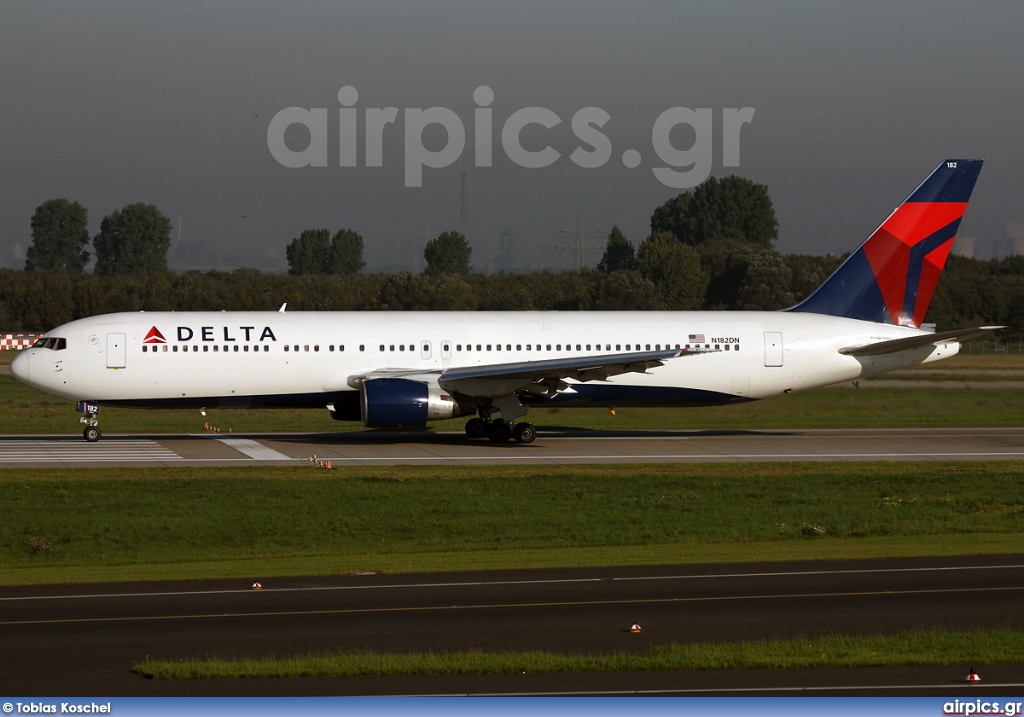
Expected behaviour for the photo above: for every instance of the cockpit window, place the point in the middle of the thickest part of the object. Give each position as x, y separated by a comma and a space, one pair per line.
51, 342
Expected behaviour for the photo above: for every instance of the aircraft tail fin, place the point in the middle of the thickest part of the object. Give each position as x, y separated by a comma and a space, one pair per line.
891, 277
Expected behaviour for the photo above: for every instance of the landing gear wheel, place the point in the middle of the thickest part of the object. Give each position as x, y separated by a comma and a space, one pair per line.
92, 434
476, 428
524, 432
498, 431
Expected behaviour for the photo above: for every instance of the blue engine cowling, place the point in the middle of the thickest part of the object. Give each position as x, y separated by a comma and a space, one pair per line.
398, 402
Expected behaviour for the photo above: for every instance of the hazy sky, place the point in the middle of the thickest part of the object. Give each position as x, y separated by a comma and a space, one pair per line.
110, 103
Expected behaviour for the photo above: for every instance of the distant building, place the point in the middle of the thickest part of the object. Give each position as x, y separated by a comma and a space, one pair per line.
964, 246
1013, 244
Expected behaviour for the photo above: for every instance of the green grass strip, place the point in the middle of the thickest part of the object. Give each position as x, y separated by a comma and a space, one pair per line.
257, 522
906, 649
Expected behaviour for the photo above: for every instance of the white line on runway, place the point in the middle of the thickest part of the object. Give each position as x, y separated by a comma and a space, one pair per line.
668, 456
255, 449
497, 583
41, 451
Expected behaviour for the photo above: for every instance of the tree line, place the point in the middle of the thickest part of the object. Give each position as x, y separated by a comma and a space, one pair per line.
971, 292
709, 248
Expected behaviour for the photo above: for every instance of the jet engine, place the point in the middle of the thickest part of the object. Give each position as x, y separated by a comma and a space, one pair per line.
398, 402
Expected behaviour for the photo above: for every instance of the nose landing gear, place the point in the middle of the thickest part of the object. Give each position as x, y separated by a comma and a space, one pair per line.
92, 431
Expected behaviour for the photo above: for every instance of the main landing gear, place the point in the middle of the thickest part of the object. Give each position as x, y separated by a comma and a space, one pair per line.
500, 431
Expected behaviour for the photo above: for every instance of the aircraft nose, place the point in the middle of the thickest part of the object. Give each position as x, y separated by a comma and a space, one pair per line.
20, 366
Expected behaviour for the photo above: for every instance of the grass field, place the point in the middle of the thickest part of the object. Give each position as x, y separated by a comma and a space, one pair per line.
183, 523
914, 648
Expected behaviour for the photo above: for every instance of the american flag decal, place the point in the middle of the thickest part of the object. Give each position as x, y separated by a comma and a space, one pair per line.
696, 338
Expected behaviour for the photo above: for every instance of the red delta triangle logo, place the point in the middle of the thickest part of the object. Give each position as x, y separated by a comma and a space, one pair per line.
154, 337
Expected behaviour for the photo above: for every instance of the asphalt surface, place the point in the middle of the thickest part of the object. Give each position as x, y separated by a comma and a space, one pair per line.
83, 640
553, 446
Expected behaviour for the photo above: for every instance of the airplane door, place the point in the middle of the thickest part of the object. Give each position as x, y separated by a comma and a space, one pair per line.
772, 348
424, 350
115, 351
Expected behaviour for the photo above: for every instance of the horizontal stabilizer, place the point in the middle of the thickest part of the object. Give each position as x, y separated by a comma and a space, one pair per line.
894, 345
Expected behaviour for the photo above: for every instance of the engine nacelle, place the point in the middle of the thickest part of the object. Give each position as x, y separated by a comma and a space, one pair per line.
397, 402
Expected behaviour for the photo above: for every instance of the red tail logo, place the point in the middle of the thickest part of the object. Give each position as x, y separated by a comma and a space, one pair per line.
154, 337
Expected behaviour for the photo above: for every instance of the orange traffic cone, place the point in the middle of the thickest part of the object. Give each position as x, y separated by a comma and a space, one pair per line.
329, 466
973, 678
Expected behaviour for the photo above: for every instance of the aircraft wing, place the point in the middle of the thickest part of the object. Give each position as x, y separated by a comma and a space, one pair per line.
547, 377
894, 345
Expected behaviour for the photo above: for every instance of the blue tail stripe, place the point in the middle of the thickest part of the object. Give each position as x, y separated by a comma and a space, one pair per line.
952, 181
917, 255
853, 293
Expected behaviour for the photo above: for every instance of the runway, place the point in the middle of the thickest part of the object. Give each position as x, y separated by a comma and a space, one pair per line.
63, 640
553, 446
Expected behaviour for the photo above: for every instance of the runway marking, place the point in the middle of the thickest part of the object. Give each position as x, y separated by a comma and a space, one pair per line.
497, 583
255, 449
112, 449
502, 606
671, 456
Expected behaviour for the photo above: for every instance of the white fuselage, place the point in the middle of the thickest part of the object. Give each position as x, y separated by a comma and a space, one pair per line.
311, 358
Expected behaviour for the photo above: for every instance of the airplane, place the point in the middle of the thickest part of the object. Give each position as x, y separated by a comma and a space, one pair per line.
405, 369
